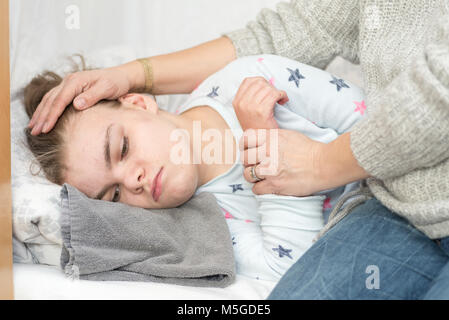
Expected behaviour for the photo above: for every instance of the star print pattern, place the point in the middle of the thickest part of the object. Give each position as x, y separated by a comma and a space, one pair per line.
214, 92
283, 252
361, 107
232, 190
295, 76
236, 187
227, 214
340, 83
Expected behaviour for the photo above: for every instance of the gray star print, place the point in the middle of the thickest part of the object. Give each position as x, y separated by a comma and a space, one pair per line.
213, 93
236, 187
283, 252
295, 76
339, 83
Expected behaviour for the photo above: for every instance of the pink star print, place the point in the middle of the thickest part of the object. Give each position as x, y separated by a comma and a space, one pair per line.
271, 81
228, 215
260, 59
327, 203
360, 107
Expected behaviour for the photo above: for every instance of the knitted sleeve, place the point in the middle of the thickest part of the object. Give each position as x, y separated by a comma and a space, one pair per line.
408, 123
311, 32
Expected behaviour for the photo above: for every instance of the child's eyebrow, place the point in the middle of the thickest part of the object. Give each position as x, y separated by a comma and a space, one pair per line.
107, 159
107, 147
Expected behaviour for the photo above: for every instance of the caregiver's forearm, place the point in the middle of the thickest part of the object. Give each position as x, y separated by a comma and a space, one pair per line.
181, 72
337, 164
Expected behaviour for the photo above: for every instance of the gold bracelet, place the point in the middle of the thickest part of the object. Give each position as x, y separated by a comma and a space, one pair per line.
148, 69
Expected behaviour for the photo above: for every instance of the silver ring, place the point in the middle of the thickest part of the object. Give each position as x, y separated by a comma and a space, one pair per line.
254, 175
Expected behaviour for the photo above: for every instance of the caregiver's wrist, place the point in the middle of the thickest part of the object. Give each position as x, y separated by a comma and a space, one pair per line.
337, 164
135, 75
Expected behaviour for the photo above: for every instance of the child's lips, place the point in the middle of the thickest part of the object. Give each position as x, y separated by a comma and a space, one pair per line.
156, 188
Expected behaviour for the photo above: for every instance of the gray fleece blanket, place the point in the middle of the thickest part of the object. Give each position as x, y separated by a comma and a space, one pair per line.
188, 245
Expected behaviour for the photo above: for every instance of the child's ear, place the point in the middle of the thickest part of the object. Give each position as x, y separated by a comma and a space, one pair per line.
140, 101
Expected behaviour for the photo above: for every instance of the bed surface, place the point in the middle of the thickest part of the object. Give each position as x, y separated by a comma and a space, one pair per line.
33, 281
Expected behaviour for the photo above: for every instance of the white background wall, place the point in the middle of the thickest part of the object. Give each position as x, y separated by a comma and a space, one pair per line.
39, 34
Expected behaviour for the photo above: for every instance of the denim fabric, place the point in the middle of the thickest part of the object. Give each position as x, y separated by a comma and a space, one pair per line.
444, 244
371, 254
439, 289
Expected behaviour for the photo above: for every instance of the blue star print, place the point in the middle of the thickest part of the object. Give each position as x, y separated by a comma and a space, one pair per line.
213, 93
283, 252
236, 187
295, 76
339, 83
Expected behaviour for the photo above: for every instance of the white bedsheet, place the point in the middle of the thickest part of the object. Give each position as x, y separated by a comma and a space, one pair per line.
49, 283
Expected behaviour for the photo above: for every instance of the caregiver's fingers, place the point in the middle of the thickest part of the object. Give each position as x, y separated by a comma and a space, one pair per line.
39, 108
51, 107
267, 160
265, 187
252, 156
257, 172
37, 124
252, 138
248, 174
60, 98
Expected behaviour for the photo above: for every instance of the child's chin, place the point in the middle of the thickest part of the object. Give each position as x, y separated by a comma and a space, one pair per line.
179, 200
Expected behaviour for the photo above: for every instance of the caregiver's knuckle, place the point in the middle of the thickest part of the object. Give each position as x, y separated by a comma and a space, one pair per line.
48, 95
58, 102
71, 76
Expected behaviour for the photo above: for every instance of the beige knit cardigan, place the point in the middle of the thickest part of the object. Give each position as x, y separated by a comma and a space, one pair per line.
402, 47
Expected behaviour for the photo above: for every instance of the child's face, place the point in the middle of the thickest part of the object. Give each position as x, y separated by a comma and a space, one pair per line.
136, 139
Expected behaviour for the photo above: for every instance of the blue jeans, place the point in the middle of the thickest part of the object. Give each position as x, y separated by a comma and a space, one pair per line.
372, 253
439, 290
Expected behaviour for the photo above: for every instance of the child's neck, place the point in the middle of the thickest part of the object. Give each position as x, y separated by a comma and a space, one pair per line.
211, 120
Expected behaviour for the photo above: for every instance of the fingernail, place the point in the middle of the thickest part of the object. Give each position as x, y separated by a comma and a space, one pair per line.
34, 130
45, 127
37, 128
80, 103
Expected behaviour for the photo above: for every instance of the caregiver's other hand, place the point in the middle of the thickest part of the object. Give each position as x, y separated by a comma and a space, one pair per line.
85, 89
292, 164
255, 101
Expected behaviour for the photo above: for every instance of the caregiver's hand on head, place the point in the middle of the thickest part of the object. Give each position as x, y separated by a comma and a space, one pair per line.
255, 101
196, 64
290, 163
85, 89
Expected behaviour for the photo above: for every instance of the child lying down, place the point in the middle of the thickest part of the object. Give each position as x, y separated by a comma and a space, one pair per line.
129, 150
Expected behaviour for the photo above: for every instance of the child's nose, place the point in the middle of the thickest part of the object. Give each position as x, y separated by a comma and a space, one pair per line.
136, 180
